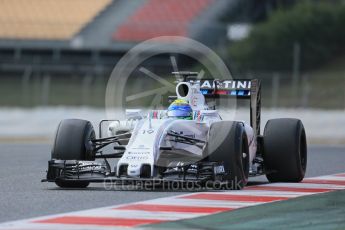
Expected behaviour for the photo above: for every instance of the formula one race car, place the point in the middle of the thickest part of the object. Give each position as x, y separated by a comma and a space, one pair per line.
187, 143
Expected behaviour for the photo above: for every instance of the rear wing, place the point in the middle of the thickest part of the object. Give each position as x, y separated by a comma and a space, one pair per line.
238, 88
241, 89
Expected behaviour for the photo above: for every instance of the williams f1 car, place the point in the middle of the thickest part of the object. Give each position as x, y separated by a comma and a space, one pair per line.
159, 148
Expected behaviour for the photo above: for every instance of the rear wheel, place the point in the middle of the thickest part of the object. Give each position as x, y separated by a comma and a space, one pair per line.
73, 142
228, 144
285, 150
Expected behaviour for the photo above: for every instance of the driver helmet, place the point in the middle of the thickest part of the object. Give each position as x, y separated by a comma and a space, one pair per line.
180, 109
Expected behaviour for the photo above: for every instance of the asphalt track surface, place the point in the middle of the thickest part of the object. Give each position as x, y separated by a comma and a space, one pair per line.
22, 195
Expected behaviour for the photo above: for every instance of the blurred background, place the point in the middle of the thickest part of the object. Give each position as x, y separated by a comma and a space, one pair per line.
56, 56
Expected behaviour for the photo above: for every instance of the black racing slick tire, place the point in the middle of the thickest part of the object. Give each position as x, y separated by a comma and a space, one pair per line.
285, 150
73, 140
228, 144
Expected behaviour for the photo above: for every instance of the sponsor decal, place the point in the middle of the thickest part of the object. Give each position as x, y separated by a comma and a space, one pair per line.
219, 169
133, 166
150, 131
137, 158
138, 153
141, 147
225, 84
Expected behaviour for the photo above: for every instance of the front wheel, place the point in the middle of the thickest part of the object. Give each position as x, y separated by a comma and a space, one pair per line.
73, 141
228, 144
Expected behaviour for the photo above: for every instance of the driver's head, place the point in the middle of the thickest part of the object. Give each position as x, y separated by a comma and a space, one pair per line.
180, 109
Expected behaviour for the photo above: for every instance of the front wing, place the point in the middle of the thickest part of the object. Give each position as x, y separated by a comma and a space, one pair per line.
199, 174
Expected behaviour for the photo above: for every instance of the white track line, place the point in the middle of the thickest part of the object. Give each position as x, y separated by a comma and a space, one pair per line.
139, 214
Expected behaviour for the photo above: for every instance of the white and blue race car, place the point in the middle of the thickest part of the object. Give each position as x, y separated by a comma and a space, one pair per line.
187, 143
